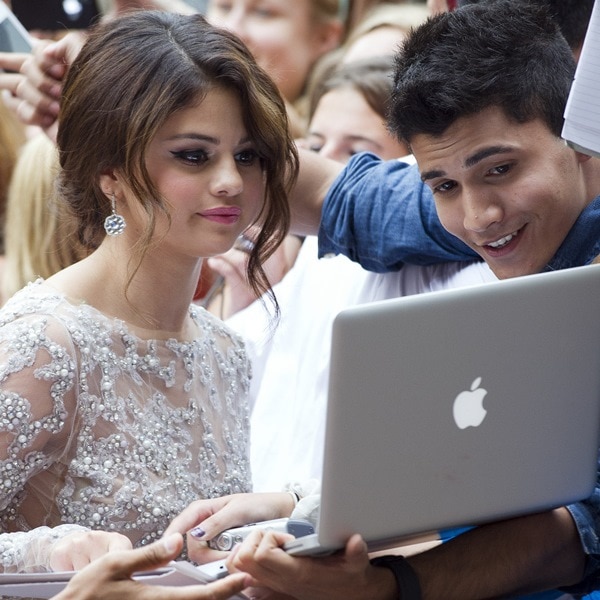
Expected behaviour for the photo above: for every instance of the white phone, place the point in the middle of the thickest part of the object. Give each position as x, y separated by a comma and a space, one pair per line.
13, 36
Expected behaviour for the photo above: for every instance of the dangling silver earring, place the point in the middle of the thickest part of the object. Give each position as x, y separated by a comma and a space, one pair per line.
114, 224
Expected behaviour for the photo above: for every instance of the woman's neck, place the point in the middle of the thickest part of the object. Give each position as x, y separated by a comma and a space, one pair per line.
156, 299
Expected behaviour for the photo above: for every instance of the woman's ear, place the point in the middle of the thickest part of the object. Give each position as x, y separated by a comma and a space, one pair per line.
110, 184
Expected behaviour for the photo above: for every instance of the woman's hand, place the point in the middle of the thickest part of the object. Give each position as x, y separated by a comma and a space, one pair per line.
205, 519
76, 550
109, 578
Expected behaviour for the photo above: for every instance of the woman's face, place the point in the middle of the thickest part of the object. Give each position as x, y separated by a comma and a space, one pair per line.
205, 166
281, 34
344, 124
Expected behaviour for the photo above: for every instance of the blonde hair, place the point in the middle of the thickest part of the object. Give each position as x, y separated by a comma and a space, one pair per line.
388, 14
12, 136
40, 234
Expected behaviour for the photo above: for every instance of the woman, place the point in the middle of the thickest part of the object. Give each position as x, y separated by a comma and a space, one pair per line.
120, 401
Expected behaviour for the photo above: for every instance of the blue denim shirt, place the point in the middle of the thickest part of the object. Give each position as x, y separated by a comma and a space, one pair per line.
381, 215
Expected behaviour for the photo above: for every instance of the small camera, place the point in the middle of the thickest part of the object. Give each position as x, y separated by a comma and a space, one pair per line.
227, 539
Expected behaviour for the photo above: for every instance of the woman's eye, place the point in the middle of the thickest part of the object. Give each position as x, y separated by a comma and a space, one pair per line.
246, 157
194, 157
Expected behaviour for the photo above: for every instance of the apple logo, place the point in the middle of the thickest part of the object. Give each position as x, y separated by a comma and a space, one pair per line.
468, 406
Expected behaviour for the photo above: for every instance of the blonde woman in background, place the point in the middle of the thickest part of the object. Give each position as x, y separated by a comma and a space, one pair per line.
39, 233
382, 29
12, 136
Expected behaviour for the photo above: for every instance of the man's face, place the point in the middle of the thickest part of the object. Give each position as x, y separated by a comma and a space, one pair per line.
510, 191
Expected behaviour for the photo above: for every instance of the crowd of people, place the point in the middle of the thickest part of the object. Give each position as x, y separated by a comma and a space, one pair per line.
413, 148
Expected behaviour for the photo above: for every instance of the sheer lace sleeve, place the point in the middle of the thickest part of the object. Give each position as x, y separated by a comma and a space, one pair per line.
37, 374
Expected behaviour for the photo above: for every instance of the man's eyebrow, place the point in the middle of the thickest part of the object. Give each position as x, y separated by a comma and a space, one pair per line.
432, 174
471, 161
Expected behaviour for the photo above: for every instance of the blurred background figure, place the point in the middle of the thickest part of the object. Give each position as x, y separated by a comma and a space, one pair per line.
40, 233
12, 137
382, 29
286, 38
362, 88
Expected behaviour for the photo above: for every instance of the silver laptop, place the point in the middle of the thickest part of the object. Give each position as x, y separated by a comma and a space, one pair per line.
458, 407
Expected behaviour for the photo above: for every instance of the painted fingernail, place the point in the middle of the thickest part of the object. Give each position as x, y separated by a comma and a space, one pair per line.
197, 533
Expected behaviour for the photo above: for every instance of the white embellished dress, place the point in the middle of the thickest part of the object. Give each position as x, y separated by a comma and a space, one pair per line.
103, 429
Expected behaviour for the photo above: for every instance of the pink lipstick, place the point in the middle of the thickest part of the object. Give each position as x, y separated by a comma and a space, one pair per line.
222, 214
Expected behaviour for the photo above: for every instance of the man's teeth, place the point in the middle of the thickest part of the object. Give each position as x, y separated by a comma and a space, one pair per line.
503, 241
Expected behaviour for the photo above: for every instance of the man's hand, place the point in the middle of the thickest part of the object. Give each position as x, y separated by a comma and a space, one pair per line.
346, 575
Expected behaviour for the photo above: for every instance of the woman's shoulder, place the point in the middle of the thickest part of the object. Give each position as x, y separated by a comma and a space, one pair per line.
211, 324
36, 298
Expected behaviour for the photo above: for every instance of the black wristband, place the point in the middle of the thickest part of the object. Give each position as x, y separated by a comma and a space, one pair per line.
407, 581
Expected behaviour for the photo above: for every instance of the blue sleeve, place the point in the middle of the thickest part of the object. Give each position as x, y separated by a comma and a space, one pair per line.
381, 215
586, 515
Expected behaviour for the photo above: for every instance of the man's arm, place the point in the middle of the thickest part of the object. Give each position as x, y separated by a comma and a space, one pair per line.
316, 176
503, 559
517, 556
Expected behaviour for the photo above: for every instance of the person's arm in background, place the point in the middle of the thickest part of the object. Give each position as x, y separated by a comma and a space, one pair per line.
10, 77
316, 176
45, 68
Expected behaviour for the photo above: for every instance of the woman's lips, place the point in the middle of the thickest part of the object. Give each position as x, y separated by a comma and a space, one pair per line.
222, 214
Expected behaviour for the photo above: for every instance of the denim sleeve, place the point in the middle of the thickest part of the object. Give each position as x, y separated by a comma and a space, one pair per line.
586, 515
381, 215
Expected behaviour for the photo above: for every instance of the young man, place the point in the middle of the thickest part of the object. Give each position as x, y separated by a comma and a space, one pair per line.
479, 95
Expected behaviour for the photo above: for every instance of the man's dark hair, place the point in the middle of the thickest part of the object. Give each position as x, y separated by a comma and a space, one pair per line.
505, 53
572, 16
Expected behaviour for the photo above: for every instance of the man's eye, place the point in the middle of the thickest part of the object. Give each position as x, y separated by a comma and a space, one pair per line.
445, 187
194, 157
500, 170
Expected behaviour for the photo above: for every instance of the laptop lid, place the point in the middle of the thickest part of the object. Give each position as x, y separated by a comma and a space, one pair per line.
459, 407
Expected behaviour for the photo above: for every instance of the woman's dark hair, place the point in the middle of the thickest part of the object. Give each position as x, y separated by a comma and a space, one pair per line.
132, 74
